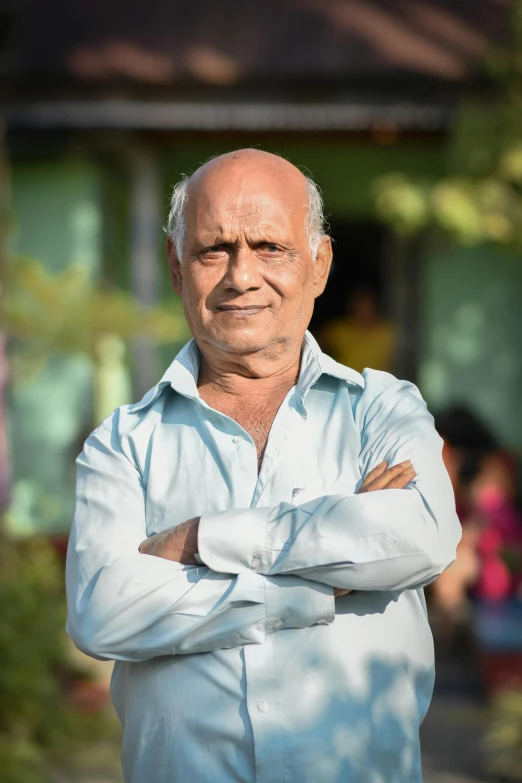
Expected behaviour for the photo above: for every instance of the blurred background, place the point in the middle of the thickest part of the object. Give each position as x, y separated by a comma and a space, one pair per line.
408, 114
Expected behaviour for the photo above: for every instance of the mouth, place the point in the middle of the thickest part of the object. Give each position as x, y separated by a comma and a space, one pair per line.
236, 311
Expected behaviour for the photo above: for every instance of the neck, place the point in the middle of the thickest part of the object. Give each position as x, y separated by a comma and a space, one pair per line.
242, 375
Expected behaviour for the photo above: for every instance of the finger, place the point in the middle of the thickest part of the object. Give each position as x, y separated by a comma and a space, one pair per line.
382, 481
400, 481
373, 474
339, 591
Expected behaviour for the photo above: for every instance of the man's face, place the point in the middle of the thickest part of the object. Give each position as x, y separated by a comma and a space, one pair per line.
246, 277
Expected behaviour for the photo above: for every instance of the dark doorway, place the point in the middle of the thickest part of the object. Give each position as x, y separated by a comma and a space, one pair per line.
358, 263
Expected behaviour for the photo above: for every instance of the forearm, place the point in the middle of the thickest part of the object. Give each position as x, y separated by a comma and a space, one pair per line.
179, 543
385, 540
391, 543
125, 604
388, 539
138, 607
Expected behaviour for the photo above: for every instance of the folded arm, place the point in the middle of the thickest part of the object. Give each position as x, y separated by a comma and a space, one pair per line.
127, 605
383, 540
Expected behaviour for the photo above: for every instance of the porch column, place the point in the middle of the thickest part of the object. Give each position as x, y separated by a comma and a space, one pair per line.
146, 239
4, 213
403, 257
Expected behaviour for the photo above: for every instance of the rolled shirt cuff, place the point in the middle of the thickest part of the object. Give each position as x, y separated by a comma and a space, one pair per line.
292, 602
234, 542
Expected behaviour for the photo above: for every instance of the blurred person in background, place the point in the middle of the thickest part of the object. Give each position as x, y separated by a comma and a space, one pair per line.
251, 540
488, 567
361, 337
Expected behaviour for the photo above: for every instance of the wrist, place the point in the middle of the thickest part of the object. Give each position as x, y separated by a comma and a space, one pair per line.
179, 543
192, 534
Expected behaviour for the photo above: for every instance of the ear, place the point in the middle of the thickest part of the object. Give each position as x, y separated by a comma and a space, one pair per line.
176, 277
321, 266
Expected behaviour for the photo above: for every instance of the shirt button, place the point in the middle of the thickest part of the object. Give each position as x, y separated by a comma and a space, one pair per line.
255, 562
262, 706
277, 624
237, 439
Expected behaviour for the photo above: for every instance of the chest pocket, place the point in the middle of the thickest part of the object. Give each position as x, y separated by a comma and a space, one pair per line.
327, 446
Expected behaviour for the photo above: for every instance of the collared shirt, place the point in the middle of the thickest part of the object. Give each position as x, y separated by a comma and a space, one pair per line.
246, 668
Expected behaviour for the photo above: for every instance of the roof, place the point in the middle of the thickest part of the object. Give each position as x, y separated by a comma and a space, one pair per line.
245, 64
174, 42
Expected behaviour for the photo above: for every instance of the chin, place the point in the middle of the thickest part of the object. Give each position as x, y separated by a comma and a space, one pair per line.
237, 341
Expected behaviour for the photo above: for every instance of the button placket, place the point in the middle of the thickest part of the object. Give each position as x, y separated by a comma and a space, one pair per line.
299, 459
271, 460
267, 723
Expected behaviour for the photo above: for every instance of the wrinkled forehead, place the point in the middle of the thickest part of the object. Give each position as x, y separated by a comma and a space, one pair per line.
249, 200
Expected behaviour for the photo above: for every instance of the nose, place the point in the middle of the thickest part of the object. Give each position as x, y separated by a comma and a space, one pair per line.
243, 272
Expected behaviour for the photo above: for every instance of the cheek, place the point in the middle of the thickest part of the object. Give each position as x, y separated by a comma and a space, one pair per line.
196, 289
294, 284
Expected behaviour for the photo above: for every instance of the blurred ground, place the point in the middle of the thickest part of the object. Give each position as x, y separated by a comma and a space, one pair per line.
451, 740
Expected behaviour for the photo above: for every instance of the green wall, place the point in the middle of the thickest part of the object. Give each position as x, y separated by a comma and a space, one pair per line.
56, 208
344, 168
472, 336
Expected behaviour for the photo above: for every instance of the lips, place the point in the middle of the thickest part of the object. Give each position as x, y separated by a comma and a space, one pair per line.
239, 311
241, 307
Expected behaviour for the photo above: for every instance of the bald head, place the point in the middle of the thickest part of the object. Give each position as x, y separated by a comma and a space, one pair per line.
257, 164
257, 170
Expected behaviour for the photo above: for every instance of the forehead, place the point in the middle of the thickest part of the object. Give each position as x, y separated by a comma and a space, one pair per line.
247, 199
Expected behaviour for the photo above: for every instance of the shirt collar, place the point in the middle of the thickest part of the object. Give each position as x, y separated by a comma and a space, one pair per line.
315, 363
182, 374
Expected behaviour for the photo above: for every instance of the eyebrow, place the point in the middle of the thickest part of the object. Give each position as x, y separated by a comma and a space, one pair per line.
220, 240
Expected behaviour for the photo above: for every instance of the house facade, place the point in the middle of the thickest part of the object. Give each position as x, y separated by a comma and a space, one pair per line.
108, 107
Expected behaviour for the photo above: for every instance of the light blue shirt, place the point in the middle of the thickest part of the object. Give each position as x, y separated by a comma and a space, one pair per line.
246, 668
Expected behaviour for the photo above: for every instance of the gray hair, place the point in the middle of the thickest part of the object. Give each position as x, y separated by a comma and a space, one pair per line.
316, 226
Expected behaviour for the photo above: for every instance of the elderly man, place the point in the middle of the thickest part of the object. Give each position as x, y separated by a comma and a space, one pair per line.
251, 540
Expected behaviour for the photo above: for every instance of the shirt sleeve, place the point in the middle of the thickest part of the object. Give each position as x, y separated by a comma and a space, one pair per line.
131, 606
381, 540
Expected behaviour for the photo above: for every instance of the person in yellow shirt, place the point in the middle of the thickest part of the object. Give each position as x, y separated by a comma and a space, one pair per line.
361, 338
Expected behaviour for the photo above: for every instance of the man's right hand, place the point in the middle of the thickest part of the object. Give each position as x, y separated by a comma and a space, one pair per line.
178, 543
383, 477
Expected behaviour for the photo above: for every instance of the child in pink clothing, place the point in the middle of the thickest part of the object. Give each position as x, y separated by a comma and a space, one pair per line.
499, 544
489, 557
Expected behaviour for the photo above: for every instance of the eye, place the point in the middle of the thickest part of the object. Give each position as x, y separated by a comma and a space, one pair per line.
269, 248
212, 252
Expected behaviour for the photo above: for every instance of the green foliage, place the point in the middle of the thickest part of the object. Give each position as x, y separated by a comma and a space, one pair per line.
402, 203
38, 725
67, 313
504, 737
481, 198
